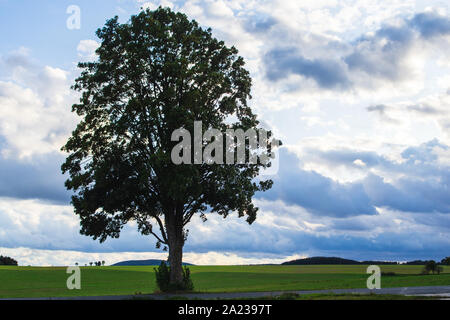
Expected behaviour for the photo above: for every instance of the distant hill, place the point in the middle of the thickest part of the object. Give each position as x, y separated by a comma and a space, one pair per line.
151, 262
320, 260
333, 260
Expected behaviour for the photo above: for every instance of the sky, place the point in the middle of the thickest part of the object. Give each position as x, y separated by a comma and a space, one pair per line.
358, 91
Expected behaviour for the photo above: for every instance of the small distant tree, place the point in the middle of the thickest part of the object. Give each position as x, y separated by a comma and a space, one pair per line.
76, 263
7, 261
432, 266
103, 262
90, 263
446, 261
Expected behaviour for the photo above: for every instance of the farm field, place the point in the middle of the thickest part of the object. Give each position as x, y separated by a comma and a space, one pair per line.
31, 282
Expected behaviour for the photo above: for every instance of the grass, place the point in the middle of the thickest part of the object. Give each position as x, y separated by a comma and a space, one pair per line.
30, 282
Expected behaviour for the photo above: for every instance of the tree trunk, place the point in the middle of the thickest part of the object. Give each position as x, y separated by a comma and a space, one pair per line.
175, 261
175, 239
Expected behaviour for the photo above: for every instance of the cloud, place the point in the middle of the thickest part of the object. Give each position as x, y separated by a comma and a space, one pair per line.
386, 55
86, 50
381, 110
36, 257
432, 108
317, 193
280, 232
35, 113
424, 109
417, 182
431, 24
37, 178
327, 73
259, 24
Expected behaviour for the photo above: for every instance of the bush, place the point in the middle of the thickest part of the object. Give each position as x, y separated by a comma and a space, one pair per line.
162, 277
188, 285
162, 274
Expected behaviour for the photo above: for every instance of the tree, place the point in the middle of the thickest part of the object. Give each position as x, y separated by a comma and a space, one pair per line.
446, 261
155, 74
432, 266
90, 263
7, 261
103, 263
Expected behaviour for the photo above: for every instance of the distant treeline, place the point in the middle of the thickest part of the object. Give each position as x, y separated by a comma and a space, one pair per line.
336, 261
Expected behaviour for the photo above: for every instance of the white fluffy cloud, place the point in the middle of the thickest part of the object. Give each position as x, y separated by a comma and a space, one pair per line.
35, 113
86, 50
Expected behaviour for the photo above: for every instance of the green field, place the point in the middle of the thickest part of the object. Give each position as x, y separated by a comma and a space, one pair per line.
28, 282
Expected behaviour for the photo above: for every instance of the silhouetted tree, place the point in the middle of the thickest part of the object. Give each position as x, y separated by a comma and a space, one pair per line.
446, 261
432, 266
7, 261
155, 74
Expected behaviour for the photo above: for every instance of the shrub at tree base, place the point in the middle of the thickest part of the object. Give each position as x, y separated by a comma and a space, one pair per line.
163, 279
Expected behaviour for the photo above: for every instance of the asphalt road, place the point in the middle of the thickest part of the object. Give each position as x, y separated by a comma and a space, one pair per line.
411, 291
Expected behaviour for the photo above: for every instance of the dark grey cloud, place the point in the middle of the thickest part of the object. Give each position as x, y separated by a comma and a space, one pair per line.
424, 185
423, 153
382, 109
424, 109
430, 24
259, 24
318, 194
36, 178
327, 73
409, 195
